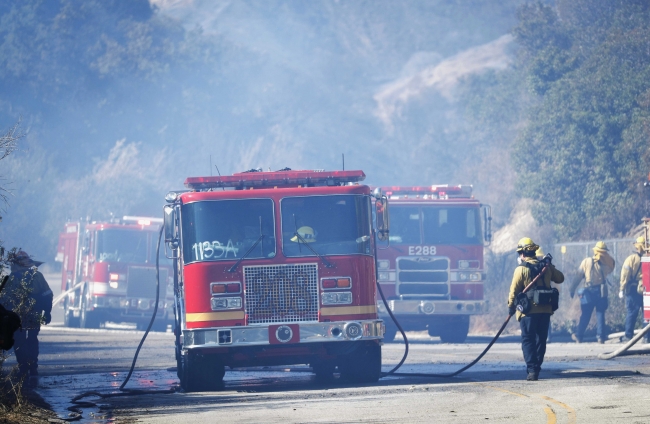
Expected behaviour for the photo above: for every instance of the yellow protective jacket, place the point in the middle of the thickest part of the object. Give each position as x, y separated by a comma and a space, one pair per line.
522, 277
631, 274
593, 272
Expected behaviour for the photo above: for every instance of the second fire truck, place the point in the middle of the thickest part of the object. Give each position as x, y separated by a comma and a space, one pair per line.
109, 271
432, 271
275, 268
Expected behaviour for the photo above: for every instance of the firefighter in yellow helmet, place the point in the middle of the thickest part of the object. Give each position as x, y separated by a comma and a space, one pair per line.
594, 271
304, 234
534, 323
632, 287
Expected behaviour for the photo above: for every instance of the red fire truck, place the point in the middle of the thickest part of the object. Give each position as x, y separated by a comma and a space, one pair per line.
432, 270
109, 272
275, 268
645, 271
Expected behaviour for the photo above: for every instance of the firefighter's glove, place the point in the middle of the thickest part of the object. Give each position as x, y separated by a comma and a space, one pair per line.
47, 317
620, 294
512, 309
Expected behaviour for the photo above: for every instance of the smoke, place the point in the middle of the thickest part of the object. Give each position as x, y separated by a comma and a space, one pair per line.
441, 77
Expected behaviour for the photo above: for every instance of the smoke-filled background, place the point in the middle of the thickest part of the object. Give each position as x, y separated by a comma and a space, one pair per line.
543, 107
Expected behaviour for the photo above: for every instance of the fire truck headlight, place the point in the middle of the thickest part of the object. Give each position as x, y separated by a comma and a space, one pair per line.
463, 264
383, 264
475, 276
463, 276
337, 298
171, 197
218, 303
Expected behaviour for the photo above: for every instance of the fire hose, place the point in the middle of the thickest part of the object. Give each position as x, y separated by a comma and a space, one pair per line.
77, 400
626, 346
455, 373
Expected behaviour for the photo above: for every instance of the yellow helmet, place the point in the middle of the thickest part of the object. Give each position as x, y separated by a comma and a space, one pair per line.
526, 244
600, 247
307, 235
640, 243
540, 253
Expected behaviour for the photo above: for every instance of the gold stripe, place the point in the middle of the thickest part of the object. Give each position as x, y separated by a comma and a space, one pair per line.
349, 310
214, 316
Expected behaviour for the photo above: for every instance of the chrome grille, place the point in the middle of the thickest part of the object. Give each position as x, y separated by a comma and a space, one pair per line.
423, 276
141, 282
281, 293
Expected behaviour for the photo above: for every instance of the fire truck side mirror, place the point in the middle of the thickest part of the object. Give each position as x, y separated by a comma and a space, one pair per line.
381, 214
85, 247
169, 223
487, 224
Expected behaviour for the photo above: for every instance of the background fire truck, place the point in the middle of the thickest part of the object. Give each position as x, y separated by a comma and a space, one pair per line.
275, 268
645, 271
109, 271
432, 271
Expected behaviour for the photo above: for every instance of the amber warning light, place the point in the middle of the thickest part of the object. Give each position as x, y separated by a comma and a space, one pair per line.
246, 180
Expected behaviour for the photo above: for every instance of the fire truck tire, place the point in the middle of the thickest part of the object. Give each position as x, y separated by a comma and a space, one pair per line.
88, 319
324, 371
455, 332
363, 365
391, 331
68, 318
201, 373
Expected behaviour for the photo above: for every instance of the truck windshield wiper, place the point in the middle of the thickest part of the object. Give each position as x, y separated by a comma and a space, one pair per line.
234, 267
327, 263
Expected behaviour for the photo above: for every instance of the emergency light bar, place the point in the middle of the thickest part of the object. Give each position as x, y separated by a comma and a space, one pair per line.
142, 220
439, 191
245, 180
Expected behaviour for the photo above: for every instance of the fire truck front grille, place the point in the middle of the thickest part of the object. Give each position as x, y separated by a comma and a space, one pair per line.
423, 276
281, 293
141, 282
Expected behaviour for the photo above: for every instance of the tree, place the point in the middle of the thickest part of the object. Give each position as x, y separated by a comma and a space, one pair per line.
584, 149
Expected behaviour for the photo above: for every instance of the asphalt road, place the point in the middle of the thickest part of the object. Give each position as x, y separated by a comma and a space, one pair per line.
574, 387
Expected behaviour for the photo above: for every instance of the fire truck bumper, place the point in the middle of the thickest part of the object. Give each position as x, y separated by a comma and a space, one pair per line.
435, 307
313, 332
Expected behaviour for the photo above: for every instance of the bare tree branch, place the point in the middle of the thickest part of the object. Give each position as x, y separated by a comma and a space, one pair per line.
8, 144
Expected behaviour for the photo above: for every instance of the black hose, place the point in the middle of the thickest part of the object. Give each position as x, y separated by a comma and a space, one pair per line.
406, 350
124, 392
155, 310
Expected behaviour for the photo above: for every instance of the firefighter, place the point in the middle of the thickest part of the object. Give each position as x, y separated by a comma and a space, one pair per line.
304, 235
539, 254
28, 295
632, 288
594, 272
535, 323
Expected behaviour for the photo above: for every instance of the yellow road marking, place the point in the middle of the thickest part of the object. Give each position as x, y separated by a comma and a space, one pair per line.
550, 416
571, 413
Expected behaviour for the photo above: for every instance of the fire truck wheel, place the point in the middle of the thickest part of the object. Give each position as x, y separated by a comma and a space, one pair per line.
201, 373
88, 319
68, 318
324, 371
391, 331
363, 365
455, 332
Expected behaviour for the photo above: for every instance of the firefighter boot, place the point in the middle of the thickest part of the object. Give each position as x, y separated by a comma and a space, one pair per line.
532, 376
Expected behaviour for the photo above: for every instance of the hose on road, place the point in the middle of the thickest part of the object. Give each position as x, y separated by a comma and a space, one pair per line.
466, 367
76, 413
626, 346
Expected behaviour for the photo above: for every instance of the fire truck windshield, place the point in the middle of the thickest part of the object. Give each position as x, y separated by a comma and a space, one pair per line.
430, 225
225, 229
122, 245
331, 225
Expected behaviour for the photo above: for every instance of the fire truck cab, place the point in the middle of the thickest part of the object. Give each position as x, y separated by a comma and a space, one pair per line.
275, 268
432, 270
109, 270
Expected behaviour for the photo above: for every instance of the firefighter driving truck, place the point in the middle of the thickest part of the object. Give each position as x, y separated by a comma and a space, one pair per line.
109, 269
432, 269
275, 268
